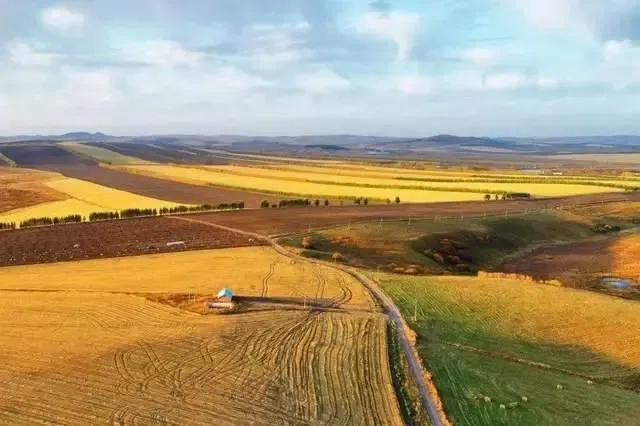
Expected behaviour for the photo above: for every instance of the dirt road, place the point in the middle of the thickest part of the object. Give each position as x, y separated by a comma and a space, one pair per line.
390, 308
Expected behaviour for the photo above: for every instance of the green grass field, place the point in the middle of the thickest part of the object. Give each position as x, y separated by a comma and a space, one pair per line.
490, 342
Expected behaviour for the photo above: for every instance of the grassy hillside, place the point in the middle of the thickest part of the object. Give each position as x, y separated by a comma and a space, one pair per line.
479, 243
548, 355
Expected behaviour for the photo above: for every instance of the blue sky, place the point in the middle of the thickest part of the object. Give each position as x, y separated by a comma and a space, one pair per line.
406, 67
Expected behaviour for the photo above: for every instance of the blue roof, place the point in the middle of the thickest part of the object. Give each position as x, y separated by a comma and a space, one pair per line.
225, 292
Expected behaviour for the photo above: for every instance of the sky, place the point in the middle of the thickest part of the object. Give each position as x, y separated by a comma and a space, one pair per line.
291, 67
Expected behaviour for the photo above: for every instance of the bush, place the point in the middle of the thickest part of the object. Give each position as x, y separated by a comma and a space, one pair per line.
294, 203
366, 201
326, 203
517, 195
316, 203
397, 200
264, 204
307, 242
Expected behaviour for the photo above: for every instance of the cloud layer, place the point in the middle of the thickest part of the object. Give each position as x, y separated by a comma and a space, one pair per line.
509, 67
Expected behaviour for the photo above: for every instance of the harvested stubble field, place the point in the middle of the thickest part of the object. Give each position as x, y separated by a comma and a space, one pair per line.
24, 187
573, 355
92, 240
84, 198
79, 349
49, 157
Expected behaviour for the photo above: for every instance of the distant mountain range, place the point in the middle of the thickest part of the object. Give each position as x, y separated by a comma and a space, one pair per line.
376, 145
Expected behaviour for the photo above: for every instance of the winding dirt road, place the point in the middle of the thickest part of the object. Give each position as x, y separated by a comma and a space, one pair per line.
415, 364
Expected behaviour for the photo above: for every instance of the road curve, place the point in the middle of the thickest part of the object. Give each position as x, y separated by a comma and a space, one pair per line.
390, 308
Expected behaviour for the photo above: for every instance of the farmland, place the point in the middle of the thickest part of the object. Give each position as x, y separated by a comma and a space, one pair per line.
491, 342
95, 240
49, 157
84, 198
104, 351
350, 180
100, 154
23, 188
627, 158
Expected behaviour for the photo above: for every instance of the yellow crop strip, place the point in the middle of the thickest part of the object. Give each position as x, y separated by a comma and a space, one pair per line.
537, 189
200, 176
85, 198
101, 154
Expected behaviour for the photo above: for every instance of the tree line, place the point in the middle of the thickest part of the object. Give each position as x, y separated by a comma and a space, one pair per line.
122, 214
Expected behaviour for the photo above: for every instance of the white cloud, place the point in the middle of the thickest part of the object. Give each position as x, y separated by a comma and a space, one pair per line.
616, 49
547, 14
483, 56
63, 20
504, 81
165, 53
414, 85
399, 27
275, 46
587, 19
518, 80
323, 82
22, 54
621, 64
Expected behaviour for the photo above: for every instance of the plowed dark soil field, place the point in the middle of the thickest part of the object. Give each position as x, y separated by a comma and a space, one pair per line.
47, 156
293, 220
111, 239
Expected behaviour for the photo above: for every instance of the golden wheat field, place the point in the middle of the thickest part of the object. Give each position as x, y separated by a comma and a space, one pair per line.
77, 348
102, 155
375, 183
200, 176
83, 198
480, 185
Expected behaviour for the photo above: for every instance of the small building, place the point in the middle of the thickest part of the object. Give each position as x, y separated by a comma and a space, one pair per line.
223, 300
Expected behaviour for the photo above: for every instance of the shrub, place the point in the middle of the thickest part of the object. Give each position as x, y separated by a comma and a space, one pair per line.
294, 203
487, 197
307, 242
264, 204
326, 203
316, 203
366, 201
397, 200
